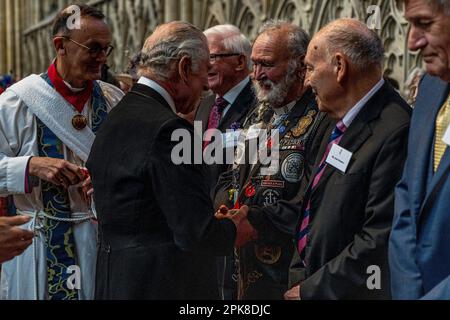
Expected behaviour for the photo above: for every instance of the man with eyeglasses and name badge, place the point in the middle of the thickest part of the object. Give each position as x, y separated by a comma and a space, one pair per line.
48, 125
232, 94
225, 109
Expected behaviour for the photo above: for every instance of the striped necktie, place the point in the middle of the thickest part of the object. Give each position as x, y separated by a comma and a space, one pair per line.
302, 236
214, 118
442, 123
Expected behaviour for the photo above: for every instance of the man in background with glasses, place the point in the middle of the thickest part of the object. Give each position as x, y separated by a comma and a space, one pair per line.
48, 126
232, 95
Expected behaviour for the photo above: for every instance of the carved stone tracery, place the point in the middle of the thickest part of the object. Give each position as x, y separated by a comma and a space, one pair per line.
133, 20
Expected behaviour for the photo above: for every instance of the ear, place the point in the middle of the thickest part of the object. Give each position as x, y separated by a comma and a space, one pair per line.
341, 67
185, 68
242, 63
301, 69
58, 43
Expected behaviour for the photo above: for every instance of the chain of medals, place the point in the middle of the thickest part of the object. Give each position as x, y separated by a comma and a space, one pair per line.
278, 123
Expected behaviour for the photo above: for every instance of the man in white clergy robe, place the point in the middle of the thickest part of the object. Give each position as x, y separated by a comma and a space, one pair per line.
47, 126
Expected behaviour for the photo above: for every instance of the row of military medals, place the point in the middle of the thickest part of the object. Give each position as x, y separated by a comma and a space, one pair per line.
279, 124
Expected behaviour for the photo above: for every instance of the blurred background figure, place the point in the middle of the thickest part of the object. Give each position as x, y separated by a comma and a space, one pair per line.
125, 82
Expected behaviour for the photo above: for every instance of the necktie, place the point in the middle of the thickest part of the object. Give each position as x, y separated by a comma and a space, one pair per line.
214, 117
442, 122
335, 138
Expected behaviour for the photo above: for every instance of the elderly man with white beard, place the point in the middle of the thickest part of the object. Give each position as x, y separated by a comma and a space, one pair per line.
288, 108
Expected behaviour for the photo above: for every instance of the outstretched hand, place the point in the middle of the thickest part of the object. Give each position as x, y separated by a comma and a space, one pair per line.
13, 240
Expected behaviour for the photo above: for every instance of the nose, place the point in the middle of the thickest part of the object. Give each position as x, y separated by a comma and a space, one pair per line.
307, 83
102, 58
416, 39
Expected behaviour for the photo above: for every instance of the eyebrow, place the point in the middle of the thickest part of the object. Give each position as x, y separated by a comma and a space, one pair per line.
418, 17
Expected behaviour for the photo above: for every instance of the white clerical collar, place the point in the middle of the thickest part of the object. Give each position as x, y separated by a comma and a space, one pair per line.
163, 92
232, 94
75, 90
351, 115
286, 109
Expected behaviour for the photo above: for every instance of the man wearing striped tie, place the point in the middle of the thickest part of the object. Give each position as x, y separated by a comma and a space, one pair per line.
419, 248
347, 209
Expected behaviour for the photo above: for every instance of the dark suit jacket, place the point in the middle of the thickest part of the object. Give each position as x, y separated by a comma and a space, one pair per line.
419, 253
351, 213
158, 234
242, 106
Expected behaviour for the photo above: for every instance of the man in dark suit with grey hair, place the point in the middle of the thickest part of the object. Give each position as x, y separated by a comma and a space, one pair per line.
158, 233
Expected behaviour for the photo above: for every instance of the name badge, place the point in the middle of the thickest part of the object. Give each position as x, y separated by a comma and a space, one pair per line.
446, 137
339, 158
230, 139
253, 132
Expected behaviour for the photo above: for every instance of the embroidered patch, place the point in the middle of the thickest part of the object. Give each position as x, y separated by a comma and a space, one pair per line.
272, 183
270, 197
292, 168
303, 124
268, 254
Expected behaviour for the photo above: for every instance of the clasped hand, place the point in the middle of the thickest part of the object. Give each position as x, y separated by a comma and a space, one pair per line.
245, 231
61, 173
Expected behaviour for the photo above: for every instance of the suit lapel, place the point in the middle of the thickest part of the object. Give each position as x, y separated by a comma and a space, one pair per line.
204, 110
426, 148
358, 132
354, 137
243, 103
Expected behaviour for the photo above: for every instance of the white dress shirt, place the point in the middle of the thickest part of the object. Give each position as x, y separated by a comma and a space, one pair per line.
351, 115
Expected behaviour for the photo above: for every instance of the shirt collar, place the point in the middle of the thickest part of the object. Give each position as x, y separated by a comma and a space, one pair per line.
232, 94
163, 92
351, 115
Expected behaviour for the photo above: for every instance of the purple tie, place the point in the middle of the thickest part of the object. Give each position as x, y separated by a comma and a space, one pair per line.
302, 236
214, 117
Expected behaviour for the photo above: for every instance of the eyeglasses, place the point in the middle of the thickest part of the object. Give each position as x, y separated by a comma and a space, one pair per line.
213, 56
95, 50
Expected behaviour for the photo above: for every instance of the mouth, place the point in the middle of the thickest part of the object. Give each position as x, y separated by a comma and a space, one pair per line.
428, 58
316, 96
95, 69
264, 85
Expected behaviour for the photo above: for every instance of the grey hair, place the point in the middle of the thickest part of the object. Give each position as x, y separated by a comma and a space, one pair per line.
233, 40
298, 39
185, 41
354, 39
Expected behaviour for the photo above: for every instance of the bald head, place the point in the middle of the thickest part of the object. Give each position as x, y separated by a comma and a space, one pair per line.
354, 39
169, 43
